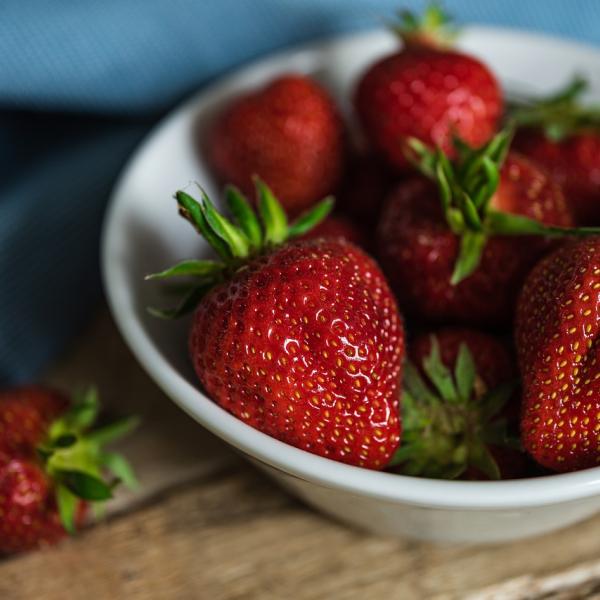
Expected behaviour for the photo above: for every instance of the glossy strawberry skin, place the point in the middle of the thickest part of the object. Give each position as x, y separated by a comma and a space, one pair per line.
427, 93
556, 330
306, 344
28, 511
575, 164
25, 415
27, 505
418, 251
495, 366
289, 133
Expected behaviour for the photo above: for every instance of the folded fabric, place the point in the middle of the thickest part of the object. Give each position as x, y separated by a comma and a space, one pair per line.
81, 82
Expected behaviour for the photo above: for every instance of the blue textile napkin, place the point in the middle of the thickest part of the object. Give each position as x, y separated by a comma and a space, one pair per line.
81, 82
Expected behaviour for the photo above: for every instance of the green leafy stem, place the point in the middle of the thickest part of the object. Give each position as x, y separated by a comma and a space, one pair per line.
466, 187
559, 115
74, 457
250, 232
449, 422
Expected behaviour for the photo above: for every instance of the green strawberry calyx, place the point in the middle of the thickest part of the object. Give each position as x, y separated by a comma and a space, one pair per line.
74, 457
559, 115
250, 233
450, 420
467, 187
433, 29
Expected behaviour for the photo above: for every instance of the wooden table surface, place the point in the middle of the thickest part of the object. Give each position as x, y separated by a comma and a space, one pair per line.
208, 525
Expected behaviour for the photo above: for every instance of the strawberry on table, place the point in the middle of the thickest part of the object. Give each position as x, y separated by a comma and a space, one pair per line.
29, 508
556, 333
301, 340
563, 135
459, 407
427, 90
52, 465
458, 253
26, 414
289, 133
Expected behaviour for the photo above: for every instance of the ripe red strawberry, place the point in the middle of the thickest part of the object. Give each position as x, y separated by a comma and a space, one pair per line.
446, 251
459, 408
300, 340
575, 163
51, 465
564, 137
30, 514
289, 133
338, 226
25, 416
556, 331
428, 91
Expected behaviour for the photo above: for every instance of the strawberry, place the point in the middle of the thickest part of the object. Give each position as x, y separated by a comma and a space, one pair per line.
26, 414
289, 133
338, 226
29, 507
301, 340
428, 91
458, 403
564, 136
51, 465
447, 252
556, 328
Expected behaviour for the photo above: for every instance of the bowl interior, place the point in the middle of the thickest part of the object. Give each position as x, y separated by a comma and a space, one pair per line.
143, 234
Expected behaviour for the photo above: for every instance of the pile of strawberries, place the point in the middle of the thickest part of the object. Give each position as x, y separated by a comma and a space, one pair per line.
53, 464
384, 336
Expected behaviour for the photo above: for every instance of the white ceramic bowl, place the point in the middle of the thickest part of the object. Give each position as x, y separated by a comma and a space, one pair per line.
144, 234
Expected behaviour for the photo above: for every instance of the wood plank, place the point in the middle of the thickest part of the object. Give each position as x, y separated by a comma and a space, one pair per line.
207, 525
580, 582
234, 535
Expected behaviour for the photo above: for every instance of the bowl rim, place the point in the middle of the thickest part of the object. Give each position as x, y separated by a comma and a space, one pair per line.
469, 495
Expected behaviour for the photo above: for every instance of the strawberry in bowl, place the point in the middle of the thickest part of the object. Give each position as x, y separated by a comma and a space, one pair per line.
457, 252
460, 408
556, 334
227, 365
426, 90
563, 135
289, 133
301, 340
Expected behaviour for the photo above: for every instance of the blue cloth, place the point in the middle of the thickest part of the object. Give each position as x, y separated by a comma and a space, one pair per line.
80, 83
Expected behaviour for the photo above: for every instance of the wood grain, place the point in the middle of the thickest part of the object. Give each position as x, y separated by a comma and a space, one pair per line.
207, 525
233, 535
